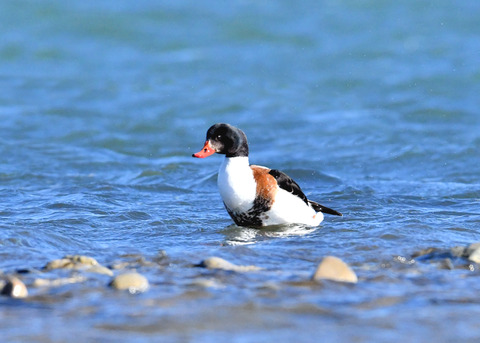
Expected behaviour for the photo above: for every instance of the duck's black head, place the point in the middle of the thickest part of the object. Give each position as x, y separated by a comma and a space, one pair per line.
224, 139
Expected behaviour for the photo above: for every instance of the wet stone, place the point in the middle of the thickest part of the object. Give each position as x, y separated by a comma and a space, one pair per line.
85, 260
78, 262
334, 269
59, 264
447, 264
220, 263
98, 269
15, 288
459, 252
425, 252
134, 261
133, 282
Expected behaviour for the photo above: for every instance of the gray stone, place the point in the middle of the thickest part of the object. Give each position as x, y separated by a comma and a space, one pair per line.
424, 252
15, 288
220, 263
446, 264
133, 282
459, 252
334, 269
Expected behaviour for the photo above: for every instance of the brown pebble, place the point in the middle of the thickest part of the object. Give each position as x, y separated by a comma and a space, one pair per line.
334, 269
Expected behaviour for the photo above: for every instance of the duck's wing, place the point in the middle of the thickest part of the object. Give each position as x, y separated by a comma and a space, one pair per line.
285, 182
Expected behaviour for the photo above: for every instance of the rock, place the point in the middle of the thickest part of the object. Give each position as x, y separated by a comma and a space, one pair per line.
59, 264
425, 252
78, 262
220, 263
119, 265
446, 264
15, 288
85, 260
98, 269
71, 261
334, 269
133, 261
473, 252
133, 282
459, 252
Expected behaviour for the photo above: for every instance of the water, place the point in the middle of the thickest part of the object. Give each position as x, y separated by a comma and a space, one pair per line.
372, 107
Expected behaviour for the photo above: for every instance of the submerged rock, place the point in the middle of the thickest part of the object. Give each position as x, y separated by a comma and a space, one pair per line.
133, 282
334, 269
63, 263
14, 287
98, 269
220, 263
85, 263
134, 261
84, 260
427, 253
456, 257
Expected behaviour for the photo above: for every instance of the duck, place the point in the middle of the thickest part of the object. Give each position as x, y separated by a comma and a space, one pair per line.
253, 195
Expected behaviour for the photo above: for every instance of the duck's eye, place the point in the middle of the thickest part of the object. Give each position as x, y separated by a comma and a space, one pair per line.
219, 136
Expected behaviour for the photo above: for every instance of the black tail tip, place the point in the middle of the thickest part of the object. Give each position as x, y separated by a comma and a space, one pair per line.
332, 212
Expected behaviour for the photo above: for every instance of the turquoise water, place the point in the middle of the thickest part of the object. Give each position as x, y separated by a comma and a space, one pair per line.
371, 106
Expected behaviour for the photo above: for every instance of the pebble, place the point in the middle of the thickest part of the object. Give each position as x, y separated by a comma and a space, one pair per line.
425, 252
133, 282
459, 252
220, 263
473, 252
86, 263
98, 269
59, 264
15, 288
334, 269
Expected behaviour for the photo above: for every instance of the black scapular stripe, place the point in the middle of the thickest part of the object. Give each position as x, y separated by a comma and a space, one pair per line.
286, 182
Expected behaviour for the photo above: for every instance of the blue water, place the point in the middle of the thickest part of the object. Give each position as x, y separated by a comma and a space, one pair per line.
373, 107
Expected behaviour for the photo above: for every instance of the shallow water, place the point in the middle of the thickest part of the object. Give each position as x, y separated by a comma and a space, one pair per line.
371, 107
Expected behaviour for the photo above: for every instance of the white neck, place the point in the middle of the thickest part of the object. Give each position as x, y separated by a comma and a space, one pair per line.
236, 183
